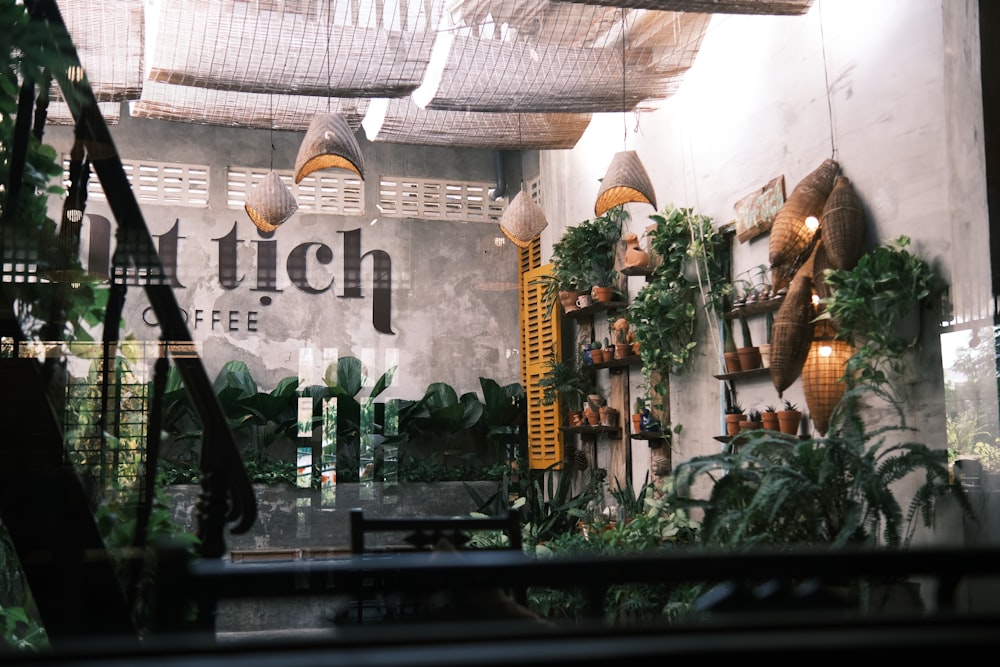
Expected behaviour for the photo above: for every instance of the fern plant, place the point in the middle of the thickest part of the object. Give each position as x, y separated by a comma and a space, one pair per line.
835, 491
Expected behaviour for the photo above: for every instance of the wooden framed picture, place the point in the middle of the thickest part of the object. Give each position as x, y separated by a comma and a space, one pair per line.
755, 212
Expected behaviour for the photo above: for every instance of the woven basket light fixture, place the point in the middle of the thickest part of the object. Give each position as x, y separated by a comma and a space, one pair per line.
822, 376
329, 144
626, 181
270, 203
523, 220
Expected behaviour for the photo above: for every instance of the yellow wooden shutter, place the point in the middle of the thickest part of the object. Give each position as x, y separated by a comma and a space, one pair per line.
540, 333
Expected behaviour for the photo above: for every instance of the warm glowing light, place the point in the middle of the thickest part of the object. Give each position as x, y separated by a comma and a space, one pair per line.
815, 299
812, 223
825, 350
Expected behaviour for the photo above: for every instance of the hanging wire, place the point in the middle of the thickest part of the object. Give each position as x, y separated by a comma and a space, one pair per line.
329, 57
826, 78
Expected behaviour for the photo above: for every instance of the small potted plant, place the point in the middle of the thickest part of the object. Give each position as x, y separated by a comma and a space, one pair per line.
749, 354
769, 418
637, 410
753, 421
621, 328
566, 382
789, 418
734, 415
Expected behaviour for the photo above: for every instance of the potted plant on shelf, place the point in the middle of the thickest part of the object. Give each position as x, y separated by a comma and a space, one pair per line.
749, 354
734, 415
789, 418
566, 382
752, 421
637, 410
621, 328
769, 418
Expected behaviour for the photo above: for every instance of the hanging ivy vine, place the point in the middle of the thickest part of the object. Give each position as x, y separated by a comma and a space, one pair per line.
692, 273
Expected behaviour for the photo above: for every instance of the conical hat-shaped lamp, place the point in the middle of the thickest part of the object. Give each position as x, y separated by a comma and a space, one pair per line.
626, 181
329, 144
270, 203
523, 220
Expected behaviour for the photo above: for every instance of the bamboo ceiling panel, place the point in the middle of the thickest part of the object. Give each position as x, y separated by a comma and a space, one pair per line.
403, 122
779, 7
164, 101
543, 56
108, 35
341, 48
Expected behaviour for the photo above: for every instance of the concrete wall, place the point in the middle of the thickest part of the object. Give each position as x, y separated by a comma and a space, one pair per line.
445, 328
889, 89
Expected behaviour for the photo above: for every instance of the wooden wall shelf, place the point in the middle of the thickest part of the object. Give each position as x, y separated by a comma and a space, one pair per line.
743, 374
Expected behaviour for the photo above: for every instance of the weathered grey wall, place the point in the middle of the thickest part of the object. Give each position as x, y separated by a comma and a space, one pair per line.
905, 117
446, 328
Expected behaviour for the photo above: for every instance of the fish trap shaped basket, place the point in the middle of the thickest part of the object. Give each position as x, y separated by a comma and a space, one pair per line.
790, 237
843, 225
792, 333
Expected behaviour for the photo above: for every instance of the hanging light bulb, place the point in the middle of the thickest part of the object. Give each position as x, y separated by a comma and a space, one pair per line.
626, 179
329, 142
812, 223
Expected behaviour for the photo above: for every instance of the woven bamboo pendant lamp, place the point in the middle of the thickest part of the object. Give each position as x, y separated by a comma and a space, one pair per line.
270, 203
820, 264
822, 375
843, 225
523, 220
790, 232
792, 332
626, 181
329, 144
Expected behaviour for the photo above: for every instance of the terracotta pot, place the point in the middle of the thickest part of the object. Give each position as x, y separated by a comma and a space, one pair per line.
733, 423
603, 293
747, 425
622, 350
636, 422
732, 362
788, 421
593, 417
635, 347
575, 418
598, 355
749, 358
765, 355
769, 420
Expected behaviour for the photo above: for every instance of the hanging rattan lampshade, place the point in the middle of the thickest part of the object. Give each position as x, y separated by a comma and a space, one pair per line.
792, 332
790, 235
523, 220
270, 203
329, 143
843, 224
626, 181
822, 376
